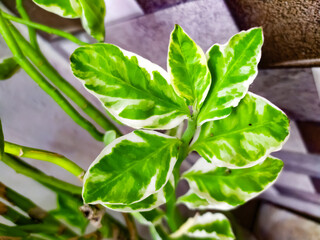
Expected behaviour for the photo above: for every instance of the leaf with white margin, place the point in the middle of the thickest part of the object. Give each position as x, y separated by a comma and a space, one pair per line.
63, 8
225, 188
246, 137
233, 67
187, 66
134, 90
193, 201
150, 218
92, 18
131, 168
153, 201
8, 67
213, 226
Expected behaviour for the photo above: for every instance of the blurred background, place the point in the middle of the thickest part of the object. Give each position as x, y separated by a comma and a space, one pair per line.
289, 77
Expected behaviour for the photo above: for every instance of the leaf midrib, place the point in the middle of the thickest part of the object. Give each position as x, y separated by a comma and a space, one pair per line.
174, 104
232, 66
136, 163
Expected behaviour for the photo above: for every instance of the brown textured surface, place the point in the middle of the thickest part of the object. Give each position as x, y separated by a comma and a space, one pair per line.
150, 6
39, 15
291, 29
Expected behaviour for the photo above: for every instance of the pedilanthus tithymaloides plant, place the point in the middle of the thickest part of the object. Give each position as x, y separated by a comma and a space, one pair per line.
233, 130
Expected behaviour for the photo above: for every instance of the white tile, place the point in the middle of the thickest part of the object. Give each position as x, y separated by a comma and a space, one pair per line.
120, 10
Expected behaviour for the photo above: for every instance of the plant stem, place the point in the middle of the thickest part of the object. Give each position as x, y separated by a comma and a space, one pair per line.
32, 31
13, 233
42, 82
173, 214
45, 29
131, 226
43, 155
21, 167
51, 73
13, 216
33, 210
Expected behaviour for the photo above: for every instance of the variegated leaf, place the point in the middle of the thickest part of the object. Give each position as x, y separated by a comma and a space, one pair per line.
149, 218
187, 66
214, 226
153, 201
193, 201
134, 90
225, 188
63, 8
233, 67
8, 67
92, 18
131, 168
246, 137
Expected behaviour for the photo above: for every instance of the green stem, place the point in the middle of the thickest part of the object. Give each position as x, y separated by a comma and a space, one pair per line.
43, 155
45, 29
13, 216
32, 31
15, 233
21, 167
42, 82
51, 73
35, 212
173, 214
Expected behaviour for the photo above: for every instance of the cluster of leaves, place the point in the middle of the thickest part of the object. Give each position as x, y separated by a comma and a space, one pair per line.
91, 13
232, 129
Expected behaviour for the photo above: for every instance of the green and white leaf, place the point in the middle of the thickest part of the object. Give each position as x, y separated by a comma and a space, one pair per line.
63, 8
8, 67
92, 18
131, 168
68, 209
193, 201
187, 66
233, 67
225, 188
213, 226
153, 201
246, 137
1, 141
134, 90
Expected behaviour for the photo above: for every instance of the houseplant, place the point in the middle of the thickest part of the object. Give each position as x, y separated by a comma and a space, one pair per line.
201, 102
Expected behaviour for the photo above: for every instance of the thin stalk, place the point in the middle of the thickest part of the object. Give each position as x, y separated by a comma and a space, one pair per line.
32, 31
13, 233
174, 217
60, 160
23, 168
51, 73
35, 212
44, 28
131, 226
13, 216
42, 82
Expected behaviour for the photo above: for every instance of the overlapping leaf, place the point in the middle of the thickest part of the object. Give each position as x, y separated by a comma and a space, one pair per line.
214, 226
134, 90
187, 65
131, 168
246, 137
8, 67
153, 201
63, 8
225, 188
91, 12
233, 67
